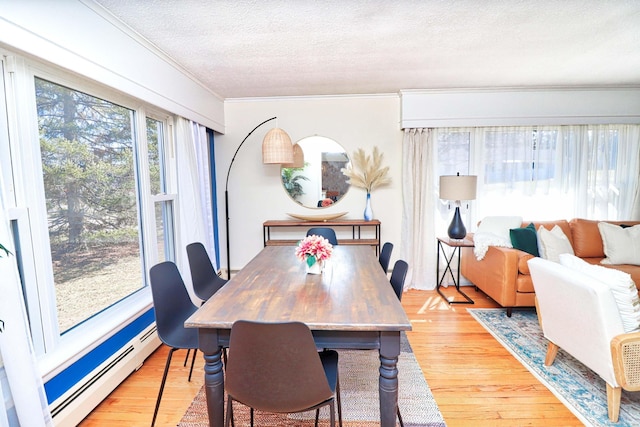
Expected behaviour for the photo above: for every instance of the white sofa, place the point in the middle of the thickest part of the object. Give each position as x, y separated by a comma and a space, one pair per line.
580, 314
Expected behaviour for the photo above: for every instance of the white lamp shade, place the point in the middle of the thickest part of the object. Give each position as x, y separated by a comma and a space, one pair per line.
277, 147
458, 187
298, 158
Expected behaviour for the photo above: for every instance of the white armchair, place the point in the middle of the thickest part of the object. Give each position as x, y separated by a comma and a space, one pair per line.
579, 314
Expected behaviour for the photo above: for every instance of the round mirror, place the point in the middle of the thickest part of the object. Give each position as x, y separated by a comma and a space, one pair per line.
319, 182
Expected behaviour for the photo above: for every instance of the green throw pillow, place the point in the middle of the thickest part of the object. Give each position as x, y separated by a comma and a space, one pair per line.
525, 239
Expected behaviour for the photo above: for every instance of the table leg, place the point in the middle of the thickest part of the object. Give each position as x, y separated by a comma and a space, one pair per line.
388, 387
213, 376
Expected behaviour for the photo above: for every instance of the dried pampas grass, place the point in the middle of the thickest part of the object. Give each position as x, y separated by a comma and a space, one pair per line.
366, 171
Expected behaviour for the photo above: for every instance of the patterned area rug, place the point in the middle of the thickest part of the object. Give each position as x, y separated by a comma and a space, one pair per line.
359, 392
578, 387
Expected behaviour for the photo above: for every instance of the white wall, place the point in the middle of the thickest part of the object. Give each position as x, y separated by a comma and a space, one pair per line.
255, 190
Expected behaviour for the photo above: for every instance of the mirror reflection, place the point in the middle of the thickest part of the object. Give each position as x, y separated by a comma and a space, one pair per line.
320, 183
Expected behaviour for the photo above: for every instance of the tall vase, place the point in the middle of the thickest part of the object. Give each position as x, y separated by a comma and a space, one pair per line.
368, 213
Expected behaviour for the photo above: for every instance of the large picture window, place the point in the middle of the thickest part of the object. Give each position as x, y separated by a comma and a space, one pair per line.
88, 148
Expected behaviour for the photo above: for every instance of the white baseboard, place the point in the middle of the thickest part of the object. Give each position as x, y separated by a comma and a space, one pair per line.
73, 406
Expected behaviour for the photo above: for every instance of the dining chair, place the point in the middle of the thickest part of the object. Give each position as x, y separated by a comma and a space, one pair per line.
398, 275
385, 256
293, 378
172, 306
205, 280
326, 232
203, 277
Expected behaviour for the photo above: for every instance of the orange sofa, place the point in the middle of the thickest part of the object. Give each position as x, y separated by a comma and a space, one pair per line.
503, 273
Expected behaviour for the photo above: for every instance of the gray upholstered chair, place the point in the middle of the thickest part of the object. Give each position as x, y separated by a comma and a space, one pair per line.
398, 275
326, 232
385, 256
275, 367
172, 306
205, 280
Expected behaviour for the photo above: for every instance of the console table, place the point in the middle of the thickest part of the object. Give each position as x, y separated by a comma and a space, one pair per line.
355, 226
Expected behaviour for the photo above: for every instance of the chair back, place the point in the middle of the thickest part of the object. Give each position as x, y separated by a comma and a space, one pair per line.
326, 232
275, 367
205, 280
385, 256
398, 275
172, 306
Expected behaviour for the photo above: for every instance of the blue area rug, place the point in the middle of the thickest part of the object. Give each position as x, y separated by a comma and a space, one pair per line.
578, 387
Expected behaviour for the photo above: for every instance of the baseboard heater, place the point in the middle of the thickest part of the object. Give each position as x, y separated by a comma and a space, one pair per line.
72, 407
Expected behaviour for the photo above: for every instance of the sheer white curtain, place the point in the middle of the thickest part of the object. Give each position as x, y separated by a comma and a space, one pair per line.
550, 172
601, 164
25, 383
201, 143
193, 223
418, 246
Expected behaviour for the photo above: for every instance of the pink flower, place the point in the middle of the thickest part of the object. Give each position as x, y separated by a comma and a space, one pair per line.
326, 202
313, 248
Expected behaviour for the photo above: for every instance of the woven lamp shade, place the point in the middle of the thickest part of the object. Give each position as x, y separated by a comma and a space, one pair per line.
298, 158
457, 187
277, 147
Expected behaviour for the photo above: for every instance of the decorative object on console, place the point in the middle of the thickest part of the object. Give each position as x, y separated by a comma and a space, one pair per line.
276, 149
366, 171
314, 250
320, 217
457, 188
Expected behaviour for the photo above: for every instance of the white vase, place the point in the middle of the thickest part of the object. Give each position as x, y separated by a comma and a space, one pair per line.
315, 268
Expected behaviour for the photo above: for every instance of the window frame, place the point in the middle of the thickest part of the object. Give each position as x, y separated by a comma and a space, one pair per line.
26, 209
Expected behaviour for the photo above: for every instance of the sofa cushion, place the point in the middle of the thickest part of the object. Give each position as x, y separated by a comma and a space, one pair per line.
554, 242
587, 242
622, 287
621, 245
523, 266
525, 239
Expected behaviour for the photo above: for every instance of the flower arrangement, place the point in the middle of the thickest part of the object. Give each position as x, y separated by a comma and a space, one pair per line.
313, 248
366, 171
326, 202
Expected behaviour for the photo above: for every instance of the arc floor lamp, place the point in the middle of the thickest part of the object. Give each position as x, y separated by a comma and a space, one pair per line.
276, 148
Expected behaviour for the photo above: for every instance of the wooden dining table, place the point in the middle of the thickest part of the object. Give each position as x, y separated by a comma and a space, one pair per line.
351, 305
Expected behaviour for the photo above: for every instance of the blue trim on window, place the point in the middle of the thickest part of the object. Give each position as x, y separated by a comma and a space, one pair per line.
214, 199
65, 380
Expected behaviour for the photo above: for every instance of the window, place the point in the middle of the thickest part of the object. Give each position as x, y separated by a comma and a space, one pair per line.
544, 173
88, 152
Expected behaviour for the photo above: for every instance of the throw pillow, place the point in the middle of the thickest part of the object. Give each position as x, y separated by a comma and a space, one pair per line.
500, 225
622, 287
621, 245
525, 239
554, 242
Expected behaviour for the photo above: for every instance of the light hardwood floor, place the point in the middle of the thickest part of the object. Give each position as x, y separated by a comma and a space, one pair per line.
475, 381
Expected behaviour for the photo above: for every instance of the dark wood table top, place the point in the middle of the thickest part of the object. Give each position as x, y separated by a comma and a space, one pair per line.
353, 293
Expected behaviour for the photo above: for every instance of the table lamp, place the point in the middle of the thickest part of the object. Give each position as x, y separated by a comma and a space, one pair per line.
456, 188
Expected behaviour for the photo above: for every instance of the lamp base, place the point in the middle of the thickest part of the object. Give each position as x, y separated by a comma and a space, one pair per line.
456, 229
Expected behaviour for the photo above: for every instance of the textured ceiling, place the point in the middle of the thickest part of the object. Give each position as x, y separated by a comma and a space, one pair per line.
256, 48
